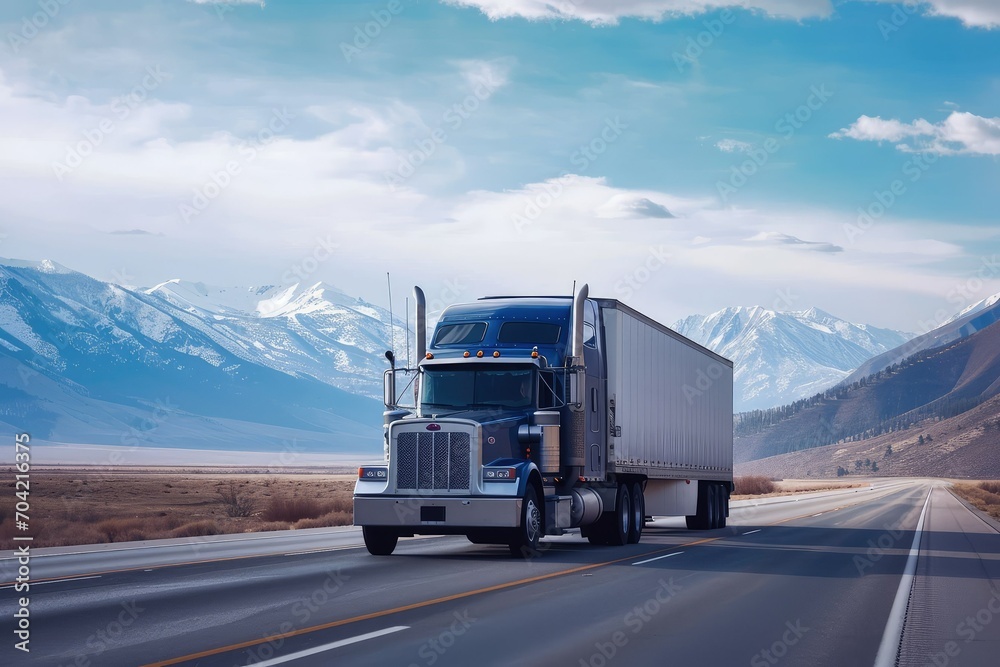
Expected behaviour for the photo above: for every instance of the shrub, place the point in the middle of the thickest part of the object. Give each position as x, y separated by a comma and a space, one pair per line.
122, 530
753, 485
293, 509
237, 501
196, 529
993, 486
328, 519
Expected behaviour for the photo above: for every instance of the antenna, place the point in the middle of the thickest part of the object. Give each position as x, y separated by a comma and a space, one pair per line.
573, 293
407, 309
392, 324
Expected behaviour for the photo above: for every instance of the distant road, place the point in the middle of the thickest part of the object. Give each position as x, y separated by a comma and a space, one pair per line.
817, 580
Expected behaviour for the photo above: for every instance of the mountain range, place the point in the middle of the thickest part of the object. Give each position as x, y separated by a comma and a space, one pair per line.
950, 374
780, 357
297, 368
185, 365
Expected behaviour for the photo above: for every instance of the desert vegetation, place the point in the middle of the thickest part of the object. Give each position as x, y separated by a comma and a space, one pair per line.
84, 507
753, 485
982, 495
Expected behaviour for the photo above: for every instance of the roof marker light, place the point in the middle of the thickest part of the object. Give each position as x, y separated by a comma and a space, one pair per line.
496, 353
428, 356
479, 354
466, 354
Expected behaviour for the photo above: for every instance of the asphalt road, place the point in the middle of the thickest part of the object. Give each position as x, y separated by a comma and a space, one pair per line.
815, 581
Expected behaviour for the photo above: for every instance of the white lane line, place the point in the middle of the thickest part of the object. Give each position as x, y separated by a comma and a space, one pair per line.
751, 532
318, 551
328, 647
56, 581
889, 647
202, 544
650, 560
816, 515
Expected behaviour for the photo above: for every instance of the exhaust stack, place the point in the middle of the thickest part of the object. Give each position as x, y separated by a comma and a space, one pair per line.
574, 444
421, 323
578, 304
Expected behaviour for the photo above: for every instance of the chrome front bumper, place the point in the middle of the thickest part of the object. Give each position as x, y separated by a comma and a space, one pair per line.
430, 511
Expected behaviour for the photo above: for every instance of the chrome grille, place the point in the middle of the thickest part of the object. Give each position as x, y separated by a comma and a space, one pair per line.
434, 461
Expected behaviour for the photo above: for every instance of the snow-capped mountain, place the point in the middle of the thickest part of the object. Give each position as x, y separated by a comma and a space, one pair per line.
781, 357
88, 362
312, 330
976, 317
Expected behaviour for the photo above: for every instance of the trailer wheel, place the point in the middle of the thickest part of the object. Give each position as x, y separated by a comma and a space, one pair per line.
525, 542
379, 540
723, 494
713, 506
638, 514
701, 520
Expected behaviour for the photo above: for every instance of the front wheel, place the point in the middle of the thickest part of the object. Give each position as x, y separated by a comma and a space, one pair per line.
379, 540
525, 542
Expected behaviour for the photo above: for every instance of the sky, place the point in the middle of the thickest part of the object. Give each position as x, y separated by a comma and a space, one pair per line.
680, 155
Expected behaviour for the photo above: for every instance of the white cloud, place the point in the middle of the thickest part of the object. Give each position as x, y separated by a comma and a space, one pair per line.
961, 133
733, 146
778, 238
608, 12
973, 13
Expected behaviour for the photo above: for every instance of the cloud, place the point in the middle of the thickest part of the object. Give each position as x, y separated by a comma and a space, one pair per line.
733, 146
635, 205
972, 13
133, 232
608, 12
648, 208
961, 133
491, 73
779, 239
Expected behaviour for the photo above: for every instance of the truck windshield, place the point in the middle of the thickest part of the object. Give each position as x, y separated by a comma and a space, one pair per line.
466, 387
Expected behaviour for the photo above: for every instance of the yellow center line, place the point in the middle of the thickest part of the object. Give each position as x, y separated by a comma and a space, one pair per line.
417, 605
440, 600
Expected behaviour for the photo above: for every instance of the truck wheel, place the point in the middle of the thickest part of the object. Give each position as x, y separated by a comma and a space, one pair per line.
525, 543
622, 517
638, 514
379, 540
713, 507
723, 504
700, 520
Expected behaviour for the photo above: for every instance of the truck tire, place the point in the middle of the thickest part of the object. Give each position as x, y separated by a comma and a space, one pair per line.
713, 506
701, 519
379, 540
525, 541
621, 518
723, 504
638, 510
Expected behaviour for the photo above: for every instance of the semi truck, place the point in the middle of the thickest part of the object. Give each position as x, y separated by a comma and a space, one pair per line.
532, 416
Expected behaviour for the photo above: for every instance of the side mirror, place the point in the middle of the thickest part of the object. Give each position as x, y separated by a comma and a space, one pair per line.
389, 388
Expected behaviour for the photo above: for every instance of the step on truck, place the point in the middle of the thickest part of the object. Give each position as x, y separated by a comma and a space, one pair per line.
533, 416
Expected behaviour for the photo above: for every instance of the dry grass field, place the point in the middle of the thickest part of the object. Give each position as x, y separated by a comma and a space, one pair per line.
80, 506
761, 486
982, 495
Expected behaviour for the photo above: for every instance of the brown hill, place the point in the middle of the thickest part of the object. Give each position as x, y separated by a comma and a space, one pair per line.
932, 384
963, 446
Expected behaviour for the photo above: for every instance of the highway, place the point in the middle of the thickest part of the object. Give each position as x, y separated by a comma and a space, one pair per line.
825, 579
